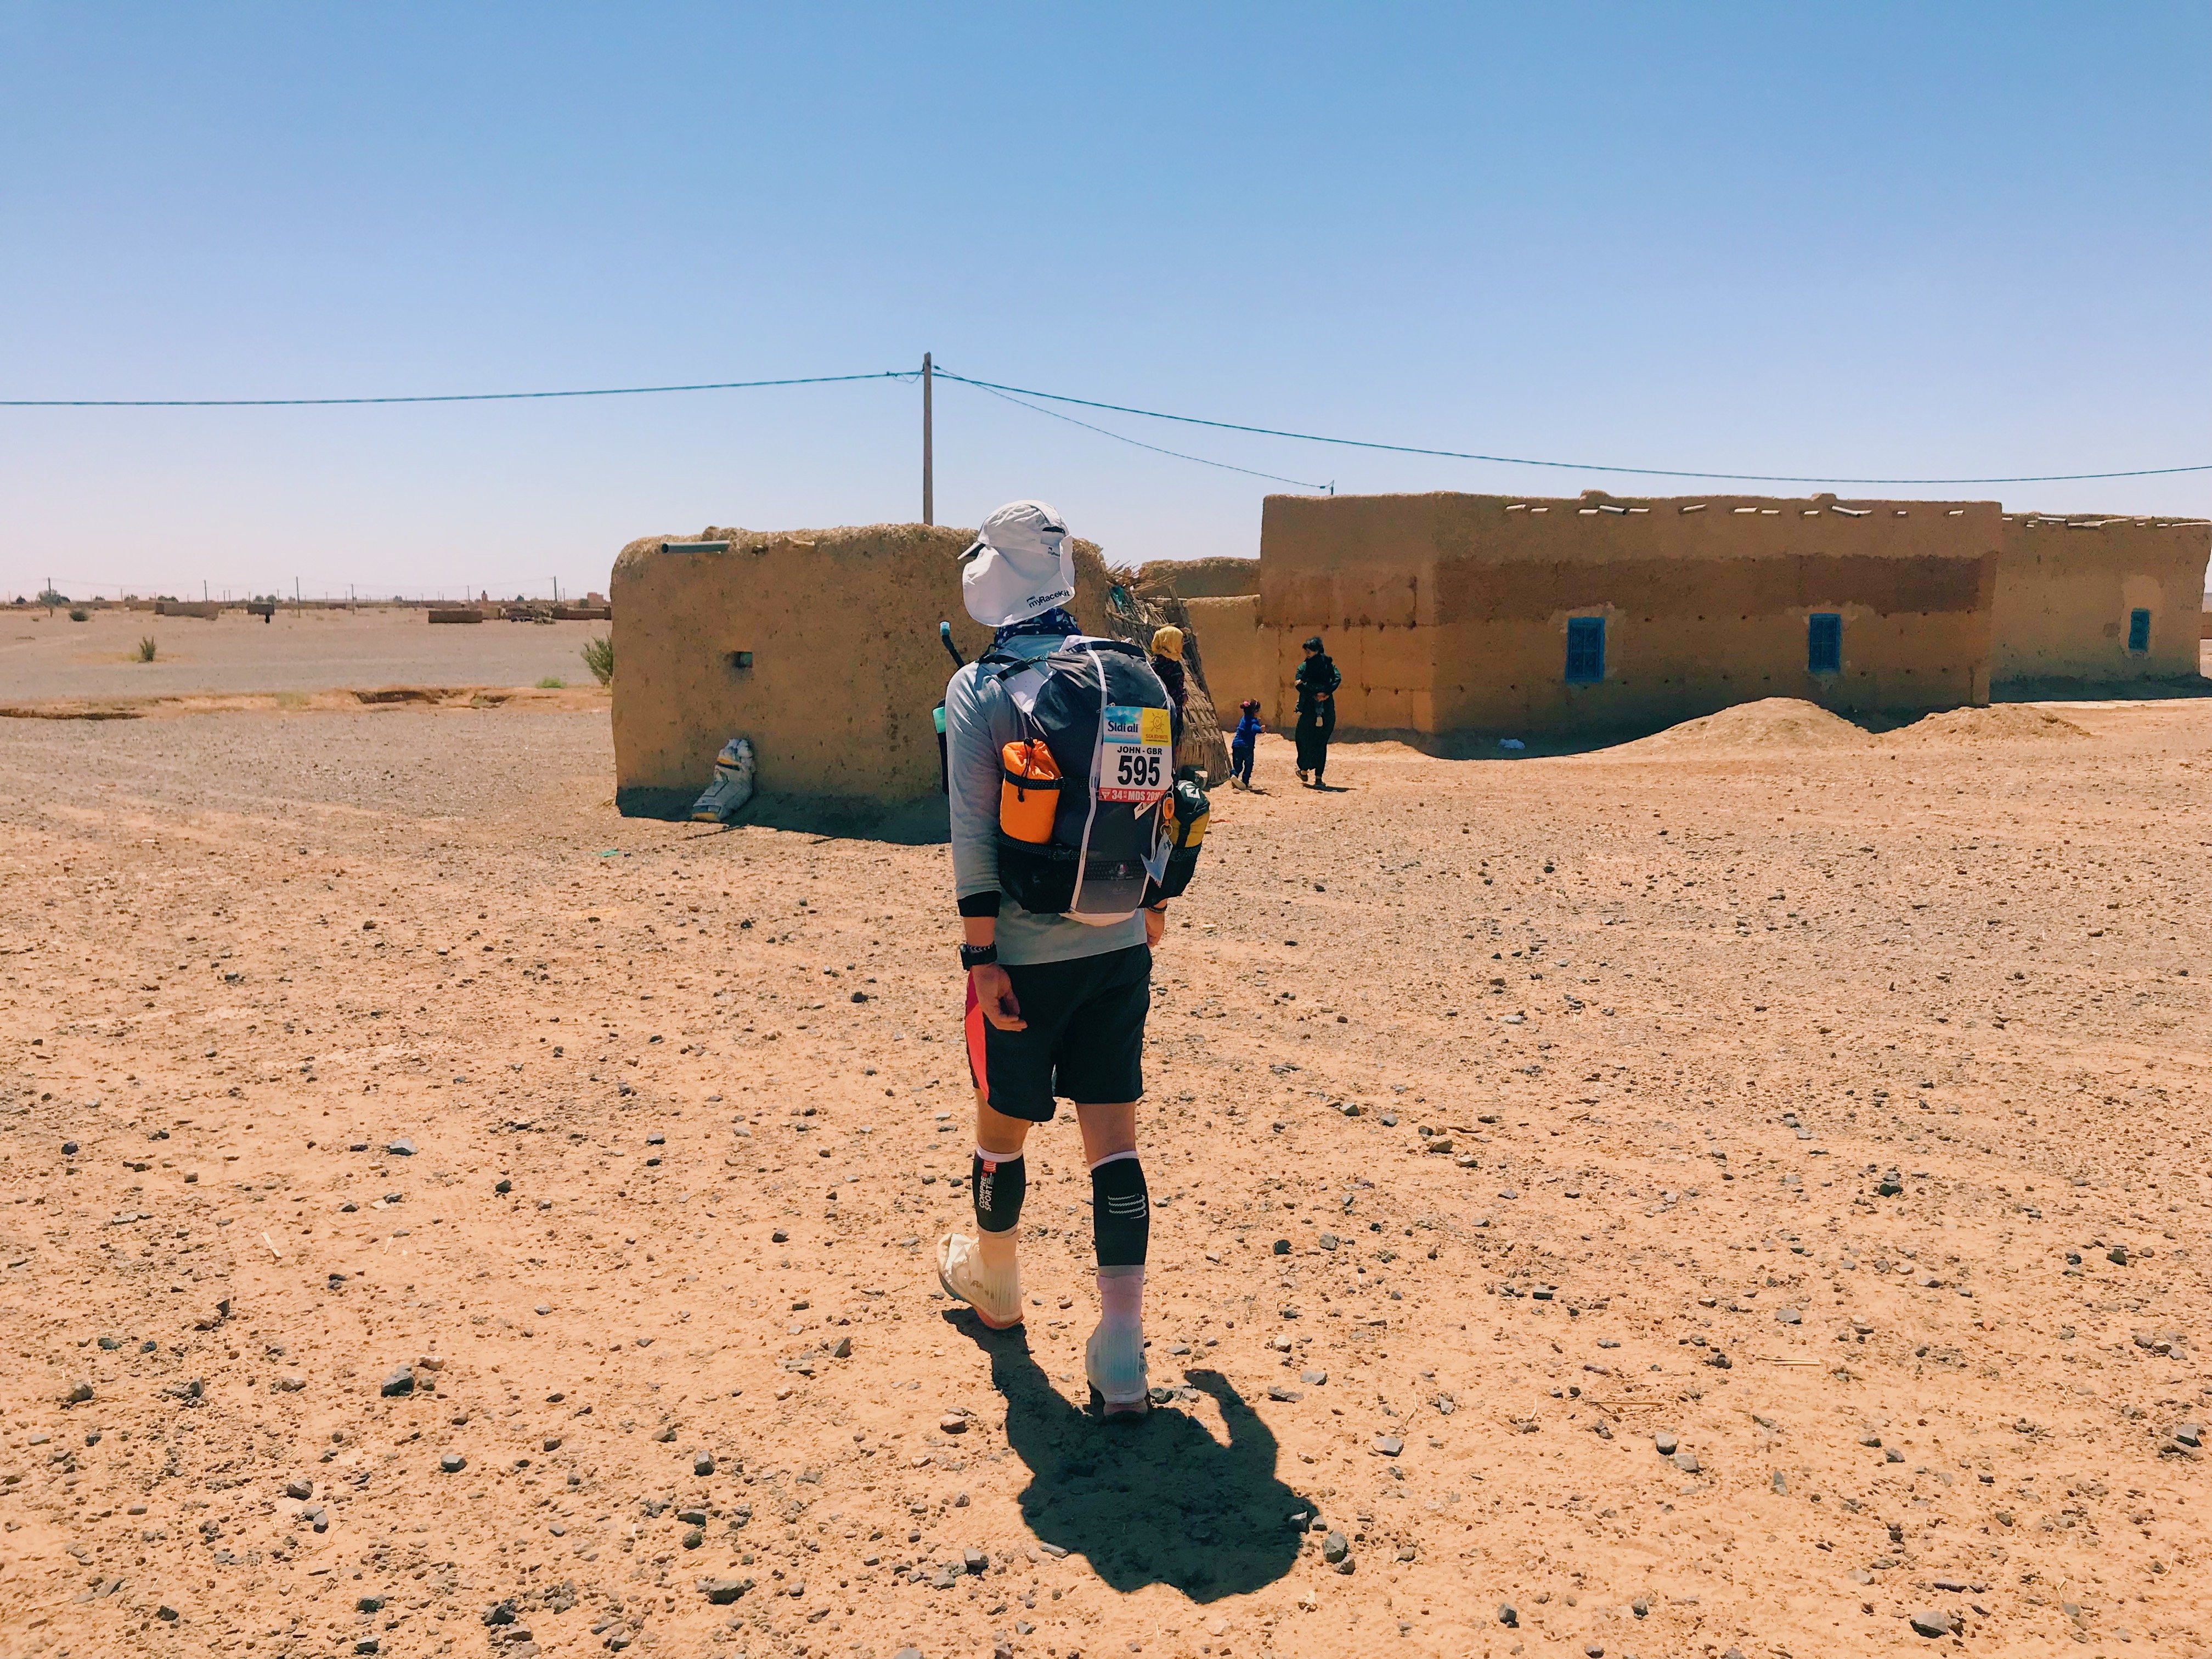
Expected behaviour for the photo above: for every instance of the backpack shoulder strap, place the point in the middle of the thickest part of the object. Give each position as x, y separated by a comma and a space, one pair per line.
1093, 642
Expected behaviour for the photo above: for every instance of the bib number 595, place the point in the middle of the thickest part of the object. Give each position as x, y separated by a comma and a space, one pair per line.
1138, 768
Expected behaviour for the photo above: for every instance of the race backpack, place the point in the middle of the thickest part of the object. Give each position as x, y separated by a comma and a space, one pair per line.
1092, 821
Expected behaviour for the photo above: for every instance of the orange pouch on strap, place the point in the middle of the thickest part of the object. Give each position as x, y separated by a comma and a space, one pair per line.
1029, 791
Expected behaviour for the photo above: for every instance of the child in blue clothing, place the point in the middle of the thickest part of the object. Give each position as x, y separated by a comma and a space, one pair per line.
1241, 743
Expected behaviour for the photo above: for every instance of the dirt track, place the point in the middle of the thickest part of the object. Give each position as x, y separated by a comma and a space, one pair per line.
1634, 1039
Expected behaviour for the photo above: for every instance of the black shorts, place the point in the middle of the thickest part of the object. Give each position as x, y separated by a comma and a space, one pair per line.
1084, 1041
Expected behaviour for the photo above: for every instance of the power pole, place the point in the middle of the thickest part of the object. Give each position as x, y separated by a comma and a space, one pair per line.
928, 468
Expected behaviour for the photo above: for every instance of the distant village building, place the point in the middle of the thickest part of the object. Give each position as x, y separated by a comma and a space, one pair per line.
1449, 615
2092, 598
1460, 613
821, 647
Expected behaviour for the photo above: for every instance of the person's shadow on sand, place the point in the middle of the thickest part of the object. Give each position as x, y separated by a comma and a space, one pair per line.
1155, 1500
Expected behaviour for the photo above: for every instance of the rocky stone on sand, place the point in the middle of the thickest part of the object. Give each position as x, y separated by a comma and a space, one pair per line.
302, 1490
1335, 1547
723, 1591
402, 1147
1508, 1615
1930, 1623
703, 1465
400, 1383
1388, 1444
1664, 1444
452, 1462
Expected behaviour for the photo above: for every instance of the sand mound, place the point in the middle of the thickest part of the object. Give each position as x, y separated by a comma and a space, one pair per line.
1770, 723
2004, 723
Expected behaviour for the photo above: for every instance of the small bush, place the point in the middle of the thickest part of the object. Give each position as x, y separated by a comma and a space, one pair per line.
146, 648
80, 614
599, 658
552, 682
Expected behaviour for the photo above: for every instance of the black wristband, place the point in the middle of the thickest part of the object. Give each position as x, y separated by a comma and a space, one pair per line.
980, 904
978, 956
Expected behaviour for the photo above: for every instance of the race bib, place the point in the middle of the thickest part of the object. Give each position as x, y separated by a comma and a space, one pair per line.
1138, 762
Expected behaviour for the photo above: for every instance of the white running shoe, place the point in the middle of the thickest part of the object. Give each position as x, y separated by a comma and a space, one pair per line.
1114, 1362
996, 1296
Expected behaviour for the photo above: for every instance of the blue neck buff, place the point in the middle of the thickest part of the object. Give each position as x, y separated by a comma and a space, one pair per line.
1054, 622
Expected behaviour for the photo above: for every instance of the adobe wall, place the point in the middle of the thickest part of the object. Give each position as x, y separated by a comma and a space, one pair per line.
1240, 659
1449, 613
845, 665
2066, 584
1211, 578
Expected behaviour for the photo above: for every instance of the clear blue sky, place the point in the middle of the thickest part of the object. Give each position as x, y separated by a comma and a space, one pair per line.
1844, 238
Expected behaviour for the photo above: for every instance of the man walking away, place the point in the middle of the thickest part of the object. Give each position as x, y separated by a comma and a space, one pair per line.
1317, 680
1056, 1004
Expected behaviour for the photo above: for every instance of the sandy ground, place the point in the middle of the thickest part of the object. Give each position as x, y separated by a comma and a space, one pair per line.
46, 659
1831, 1110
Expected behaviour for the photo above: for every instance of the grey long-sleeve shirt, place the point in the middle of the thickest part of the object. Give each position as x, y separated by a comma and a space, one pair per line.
980, 720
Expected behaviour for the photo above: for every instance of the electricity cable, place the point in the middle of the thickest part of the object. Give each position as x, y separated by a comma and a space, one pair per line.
1103, 432
439, 398
1015, 393
944, 374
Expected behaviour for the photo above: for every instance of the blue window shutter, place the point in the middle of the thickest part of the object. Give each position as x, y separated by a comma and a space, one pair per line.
2138, 630
1824, 643
1585, 650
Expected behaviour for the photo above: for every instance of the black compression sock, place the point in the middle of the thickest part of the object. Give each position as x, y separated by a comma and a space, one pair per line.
1120, 1212
998, 1184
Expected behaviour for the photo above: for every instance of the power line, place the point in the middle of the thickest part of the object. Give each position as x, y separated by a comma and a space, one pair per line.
1015, 392
1569, 466
1140, 443
436, 397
